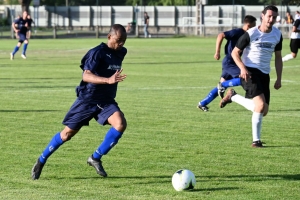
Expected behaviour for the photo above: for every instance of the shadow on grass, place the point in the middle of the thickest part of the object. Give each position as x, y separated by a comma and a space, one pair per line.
291, 177
213, 189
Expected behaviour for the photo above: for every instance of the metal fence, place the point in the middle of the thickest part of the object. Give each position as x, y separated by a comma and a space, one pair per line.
95, 21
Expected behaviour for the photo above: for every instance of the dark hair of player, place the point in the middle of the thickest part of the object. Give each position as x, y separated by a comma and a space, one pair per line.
271, 7
249, 19
117, 28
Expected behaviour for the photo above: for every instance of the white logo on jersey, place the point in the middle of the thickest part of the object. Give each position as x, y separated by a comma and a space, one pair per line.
109, 55
114, 67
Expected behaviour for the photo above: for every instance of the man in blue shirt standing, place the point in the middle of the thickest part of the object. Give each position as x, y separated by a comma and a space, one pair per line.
96, 94
20, 26
230, 71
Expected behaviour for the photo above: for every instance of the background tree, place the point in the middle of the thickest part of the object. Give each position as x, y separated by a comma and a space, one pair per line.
25, 4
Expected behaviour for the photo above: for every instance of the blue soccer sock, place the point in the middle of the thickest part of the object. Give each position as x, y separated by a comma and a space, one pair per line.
15, 50
210, 97
54, 144
231, 83
111, 139
25, 48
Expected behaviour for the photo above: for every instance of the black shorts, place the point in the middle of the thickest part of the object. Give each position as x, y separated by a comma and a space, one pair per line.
259, 83
294, 45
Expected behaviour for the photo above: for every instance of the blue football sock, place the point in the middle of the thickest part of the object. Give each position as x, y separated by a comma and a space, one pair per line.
231, 83
54, 144
15, 50
111, 139
210, 97
25, 48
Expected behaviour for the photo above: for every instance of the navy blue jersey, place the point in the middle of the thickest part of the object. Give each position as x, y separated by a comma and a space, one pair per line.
21, 24
29, 22
232, 37
101, 61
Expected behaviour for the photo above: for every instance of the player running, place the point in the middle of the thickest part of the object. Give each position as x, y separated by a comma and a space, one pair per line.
229, 69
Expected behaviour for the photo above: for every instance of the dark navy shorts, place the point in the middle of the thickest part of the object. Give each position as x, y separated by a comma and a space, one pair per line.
230, 70
82, 112
259, 83
22, 37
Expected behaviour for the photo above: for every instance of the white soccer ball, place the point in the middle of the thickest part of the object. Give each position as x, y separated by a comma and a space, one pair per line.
183, 179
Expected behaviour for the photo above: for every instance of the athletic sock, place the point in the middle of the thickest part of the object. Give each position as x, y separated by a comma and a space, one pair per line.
247, 103
111, 139
256, 125
231, 83
15, 50
54, 144
210, 97
287, 57
25, 48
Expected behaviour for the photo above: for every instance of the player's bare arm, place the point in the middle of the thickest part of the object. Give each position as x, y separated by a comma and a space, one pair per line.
219, 41
14, 27
90, 77
295, 29
237, 59
278, 67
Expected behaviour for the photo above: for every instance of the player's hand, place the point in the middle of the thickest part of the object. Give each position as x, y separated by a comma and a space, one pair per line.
245, 75
217, 56
277, 84
117, 77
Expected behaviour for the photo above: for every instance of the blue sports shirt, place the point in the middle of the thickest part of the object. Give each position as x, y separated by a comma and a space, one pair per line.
21, 24
101, 61
232, 37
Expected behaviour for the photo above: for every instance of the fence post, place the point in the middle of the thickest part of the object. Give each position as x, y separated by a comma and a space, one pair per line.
97, 31
137, 30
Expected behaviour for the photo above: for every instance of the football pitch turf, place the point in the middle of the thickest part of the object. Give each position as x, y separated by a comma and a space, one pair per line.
166, 78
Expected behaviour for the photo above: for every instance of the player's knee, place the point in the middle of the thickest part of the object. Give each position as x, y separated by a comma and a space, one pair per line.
121, 125
67, 135
266, 109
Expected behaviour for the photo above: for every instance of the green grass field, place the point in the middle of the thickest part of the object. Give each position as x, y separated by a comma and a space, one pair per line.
166, 78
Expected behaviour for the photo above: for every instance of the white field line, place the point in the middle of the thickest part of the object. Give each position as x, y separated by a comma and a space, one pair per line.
22, 90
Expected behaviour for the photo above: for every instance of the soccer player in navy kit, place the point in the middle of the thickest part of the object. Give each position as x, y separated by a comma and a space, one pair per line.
95, 99
294, 42
257, 45
20, 27
229, 69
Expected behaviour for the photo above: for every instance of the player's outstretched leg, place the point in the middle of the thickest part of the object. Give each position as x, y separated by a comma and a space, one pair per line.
110, 140
54, 144
24, 50
202, 105
222, 86
12, 54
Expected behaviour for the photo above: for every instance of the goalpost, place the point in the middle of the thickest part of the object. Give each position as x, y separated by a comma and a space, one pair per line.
188, 22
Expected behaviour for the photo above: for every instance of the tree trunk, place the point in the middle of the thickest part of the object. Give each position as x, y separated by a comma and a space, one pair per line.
25, 5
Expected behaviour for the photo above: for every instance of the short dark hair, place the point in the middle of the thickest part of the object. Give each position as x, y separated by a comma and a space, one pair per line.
117, 28
271, 7
249, 19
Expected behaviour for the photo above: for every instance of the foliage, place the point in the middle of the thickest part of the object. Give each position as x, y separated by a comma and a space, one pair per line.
4, 22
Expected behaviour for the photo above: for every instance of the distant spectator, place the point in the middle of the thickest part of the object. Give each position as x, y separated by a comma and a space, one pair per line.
146, 24
130, 27
288, 19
